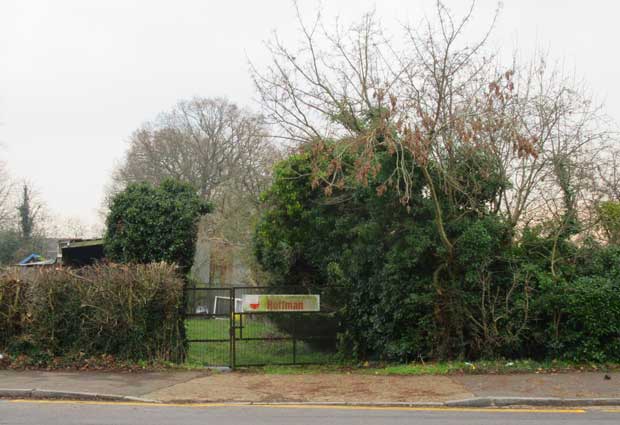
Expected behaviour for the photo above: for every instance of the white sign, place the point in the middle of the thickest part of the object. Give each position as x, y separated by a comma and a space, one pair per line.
292, 303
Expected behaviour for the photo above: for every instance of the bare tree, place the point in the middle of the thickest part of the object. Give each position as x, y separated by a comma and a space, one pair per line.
434, 99
202, 141
417, 104
607, 177
70, 227
6, 189
569, 134
518, 140
223, 150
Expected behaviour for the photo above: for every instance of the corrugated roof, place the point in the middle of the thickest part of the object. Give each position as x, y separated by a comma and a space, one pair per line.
39, 263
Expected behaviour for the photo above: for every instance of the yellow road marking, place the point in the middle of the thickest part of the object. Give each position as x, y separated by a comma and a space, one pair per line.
422, 409
302, 406
128, 403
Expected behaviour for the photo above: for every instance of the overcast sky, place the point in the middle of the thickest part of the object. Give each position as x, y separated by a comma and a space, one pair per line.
78, 76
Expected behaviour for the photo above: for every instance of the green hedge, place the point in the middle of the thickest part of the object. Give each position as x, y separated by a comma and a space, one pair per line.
13, 312
590, 329
130, 312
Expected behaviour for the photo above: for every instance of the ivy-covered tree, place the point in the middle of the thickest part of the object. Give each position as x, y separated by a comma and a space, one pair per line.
609, 215
385, 256
150, 223
535, 296
23, 231
27, 214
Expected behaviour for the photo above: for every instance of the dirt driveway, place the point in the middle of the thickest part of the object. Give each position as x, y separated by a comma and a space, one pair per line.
316, 388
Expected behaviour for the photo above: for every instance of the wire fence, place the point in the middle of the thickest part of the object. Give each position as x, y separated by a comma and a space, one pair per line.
221, 332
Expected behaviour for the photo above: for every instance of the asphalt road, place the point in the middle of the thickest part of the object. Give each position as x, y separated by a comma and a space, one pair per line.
69, 413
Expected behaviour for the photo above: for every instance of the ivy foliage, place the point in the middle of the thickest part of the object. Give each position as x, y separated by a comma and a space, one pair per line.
609, 214
150, 223
381, 254
501, 295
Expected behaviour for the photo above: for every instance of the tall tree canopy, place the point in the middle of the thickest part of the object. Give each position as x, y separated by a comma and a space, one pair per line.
221, 149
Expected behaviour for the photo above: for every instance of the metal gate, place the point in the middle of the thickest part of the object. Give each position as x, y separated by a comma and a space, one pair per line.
207, 325
219, 333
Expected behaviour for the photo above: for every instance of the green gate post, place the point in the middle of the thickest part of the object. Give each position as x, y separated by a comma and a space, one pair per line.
232, 331
295, 340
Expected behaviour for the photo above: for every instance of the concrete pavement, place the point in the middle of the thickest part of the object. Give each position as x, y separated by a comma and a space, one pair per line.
564, 385
204, 386
126, 384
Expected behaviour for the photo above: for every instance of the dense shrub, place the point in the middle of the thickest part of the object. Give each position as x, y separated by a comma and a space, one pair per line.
586, 306
150, 223
361, 246
535, 294
12, 307
591, 326
131, 313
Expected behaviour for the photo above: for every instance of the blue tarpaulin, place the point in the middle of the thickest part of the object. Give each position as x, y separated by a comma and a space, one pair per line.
32, 258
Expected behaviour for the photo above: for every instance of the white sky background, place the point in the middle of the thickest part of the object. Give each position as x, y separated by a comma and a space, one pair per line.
78, 76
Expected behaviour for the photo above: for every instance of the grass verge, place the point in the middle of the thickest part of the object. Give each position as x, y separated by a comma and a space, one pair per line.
214, 350
489, 367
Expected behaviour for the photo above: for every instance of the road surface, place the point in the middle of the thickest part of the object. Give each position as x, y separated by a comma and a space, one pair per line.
95, 413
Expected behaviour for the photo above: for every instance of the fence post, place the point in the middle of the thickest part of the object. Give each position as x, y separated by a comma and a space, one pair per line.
294, 339
232, 330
